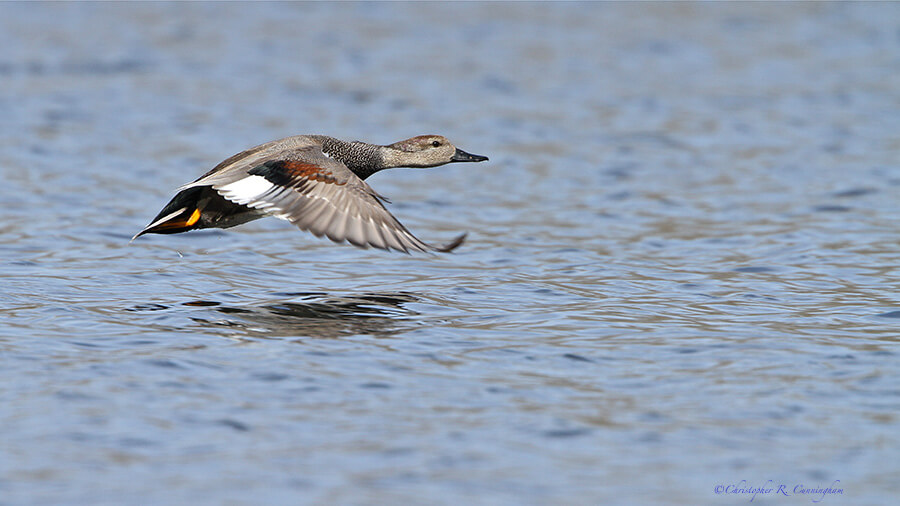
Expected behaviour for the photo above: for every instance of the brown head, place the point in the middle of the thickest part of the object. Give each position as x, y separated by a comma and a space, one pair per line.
425, 151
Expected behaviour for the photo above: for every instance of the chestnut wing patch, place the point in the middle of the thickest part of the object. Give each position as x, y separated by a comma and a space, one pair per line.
290, 173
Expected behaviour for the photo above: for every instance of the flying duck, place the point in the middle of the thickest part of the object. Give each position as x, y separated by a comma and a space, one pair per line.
315, 182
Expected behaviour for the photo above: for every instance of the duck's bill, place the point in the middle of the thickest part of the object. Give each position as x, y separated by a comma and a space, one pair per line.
462, 156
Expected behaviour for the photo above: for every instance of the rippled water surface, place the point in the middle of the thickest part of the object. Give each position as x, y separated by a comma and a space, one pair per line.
681, 271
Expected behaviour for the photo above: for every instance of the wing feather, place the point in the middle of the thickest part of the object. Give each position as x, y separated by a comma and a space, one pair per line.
317, 194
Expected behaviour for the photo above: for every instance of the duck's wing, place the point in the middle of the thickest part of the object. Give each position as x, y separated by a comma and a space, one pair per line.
318, 194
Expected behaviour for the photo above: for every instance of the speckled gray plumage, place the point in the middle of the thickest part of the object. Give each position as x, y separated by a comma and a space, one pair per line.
362, 158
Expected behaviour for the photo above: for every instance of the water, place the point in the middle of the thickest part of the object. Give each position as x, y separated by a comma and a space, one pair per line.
681, 271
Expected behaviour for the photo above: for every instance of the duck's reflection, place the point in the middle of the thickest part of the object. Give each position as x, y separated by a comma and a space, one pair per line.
317, 315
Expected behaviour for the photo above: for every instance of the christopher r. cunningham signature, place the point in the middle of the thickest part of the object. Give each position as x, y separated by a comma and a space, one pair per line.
746, 489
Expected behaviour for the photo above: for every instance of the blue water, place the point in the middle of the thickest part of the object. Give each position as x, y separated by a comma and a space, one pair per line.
680, 277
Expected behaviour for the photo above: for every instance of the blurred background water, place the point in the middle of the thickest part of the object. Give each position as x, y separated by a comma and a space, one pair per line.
681, 272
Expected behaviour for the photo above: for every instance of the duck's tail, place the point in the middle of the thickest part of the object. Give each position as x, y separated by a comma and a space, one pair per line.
181, 214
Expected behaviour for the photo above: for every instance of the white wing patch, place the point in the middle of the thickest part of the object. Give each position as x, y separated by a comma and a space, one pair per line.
246, 190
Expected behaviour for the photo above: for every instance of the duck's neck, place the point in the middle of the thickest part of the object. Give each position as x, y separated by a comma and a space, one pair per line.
362, 158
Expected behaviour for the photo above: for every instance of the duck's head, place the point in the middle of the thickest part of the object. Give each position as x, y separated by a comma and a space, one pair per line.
426, 151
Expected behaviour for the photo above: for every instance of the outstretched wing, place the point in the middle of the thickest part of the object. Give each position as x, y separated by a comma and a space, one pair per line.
321, 195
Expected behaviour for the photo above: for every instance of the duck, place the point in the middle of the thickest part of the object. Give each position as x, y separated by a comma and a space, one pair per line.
316, 182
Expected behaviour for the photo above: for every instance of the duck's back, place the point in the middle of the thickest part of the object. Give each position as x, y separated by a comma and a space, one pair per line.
229, 168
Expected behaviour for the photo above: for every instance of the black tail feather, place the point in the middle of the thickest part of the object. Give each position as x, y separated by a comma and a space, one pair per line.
181, 214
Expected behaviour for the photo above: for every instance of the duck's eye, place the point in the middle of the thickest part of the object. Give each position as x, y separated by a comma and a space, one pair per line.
435, 143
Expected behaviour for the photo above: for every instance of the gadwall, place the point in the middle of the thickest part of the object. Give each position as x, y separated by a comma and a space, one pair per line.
315, 182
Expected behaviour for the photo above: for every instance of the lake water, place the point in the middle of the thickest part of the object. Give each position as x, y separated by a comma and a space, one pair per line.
680, 283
